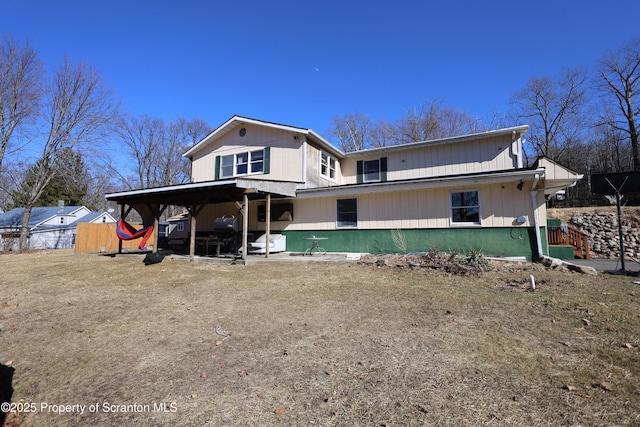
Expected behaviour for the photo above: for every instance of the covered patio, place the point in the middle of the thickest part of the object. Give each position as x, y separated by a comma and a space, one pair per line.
150, 203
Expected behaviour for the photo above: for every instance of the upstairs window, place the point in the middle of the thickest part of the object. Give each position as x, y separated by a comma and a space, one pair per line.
245, 163
328, 167
465, 208
372, 170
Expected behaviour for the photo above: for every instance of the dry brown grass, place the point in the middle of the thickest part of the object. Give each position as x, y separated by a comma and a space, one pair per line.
317, 343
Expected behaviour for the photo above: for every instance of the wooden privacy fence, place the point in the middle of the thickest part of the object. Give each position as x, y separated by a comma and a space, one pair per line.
102, 238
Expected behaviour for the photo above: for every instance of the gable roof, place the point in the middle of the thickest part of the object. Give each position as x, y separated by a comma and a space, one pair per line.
238, 121
92, 216
13, 218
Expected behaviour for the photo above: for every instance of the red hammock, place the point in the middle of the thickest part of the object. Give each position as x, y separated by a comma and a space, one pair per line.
126, 231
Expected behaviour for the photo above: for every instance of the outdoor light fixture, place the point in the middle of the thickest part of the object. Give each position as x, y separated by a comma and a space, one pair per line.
520, 185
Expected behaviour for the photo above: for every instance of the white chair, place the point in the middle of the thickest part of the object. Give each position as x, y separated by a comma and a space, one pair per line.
277, 243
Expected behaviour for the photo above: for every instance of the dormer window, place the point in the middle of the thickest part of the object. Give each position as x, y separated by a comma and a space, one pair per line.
328, 166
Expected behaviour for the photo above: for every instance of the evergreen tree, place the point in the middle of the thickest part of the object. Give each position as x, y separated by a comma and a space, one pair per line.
69, 182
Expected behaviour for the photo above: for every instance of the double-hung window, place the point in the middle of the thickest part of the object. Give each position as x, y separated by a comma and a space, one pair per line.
465, 208
328, 166
245, 163
347, 215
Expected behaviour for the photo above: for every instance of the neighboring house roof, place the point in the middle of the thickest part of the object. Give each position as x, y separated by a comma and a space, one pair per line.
237, 121
91, 217
13, 218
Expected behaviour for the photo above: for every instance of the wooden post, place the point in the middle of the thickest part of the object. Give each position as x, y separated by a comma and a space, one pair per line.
156, 234
268, 224
122, 215
192, 239
245, 224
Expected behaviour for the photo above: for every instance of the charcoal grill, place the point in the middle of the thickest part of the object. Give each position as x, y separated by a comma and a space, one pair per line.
227, 230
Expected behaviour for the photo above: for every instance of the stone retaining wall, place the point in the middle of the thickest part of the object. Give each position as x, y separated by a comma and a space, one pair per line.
602, 228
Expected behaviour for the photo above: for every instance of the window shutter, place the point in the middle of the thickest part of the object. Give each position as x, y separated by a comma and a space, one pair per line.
217, 171
359, 172
267, 161
383, 169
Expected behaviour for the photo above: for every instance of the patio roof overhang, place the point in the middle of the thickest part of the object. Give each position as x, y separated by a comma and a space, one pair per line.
208, 192
150, 203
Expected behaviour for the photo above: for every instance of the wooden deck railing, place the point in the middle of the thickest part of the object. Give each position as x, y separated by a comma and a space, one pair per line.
567, 235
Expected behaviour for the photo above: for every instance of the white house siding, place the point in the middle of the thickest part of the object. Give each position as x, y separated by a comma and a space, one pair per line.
500, 205
286, 153
480, 155
314, 178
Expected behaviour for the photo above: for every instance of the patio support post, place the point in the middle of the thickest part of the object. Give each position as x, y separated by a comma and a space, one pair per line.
192, 237
245, 224
122, 215
268, 225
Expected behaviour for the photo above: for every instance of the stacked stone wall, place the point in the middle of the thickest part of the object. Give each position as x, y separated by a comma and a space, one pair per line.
602, 228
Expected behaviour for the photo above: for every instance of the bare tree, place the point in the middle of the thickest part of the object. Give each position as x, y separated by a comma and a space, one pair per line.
420, 124
619, 71
77, 106
181, 134
433, 121
21, 74
554, 110
383, 133
144, 137
352, 130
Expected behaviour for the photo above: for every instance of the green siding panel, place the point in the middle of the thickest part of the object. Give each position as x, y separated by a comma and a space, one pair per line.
508, 241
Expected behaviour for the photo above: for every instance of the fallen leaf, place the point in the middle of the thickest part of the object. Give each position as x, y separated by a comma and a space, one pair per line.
154, 379
203, 375
570, 387
219, 342
279, 410
194, 396
628, 345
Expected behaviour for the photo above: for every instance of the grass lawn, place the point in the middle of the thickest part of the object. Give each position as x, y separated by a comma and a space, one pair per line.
192, 344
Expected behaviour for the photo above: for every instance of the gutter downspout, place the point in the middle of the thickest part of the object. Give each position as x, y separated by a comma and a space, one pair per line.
536, 218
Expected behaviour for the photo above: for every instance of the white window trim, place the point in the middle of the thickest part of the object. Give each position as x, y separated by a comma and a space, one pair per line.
248, 164
364, 174
464, 223
348, 227
335, 170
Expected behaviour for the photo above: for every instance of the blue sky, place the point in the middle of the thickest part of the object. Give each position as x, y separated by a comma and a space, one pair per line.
302, 63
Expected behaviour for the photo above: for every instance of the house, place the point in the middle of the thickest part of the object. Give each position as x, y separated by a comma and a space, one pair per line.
452, 194
49, 227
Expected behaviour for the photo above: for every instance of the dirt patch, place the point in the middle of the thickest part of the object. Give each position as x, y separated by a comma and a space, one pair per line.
180, 343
